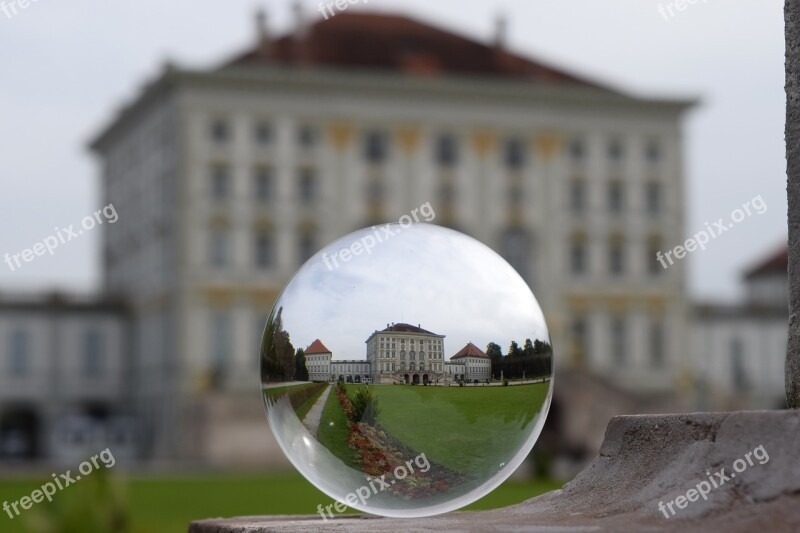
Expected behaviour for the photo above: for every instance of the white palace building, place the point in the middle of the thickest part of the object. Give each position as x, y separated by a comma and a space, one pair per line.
227, 179
401, 353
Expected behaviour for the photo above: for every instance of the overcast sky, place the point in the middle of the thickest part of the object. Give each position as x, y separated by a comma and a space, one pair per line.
69, 65
432, 277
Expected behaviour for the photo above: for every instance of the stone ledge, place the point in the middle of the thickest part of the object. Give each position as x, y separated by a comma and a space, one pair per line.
643, 460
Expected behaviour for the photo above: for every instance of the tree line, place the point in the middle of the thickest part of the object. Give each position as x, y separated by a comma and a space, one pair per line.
533, 360
279, 360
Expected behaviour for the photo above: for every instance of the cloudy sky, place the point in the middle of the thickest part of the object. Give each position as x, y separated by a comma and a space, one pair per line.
69, 65
430, 276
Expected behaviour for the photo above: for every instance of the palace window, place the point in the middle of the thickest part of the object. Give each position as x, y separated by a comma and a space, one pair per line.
577, 255
615, 151
264, 250
446, 150
516, 249
306, 136
263, 184
219, 131
616, 256
577, 151
218, 247
376, 146
307, 184
306, 247
19, 353
220, 339
577, 196
653, 152
619, 343
657, 340
263, 133
93, 354
616, 197
220, 182
653, 197
654, 266
514, 154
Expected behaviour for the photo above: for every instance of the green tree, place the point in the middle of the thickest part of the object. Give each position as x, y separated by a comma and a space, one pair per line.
513, 361
300, 370
495, 354
277, 353
528, 350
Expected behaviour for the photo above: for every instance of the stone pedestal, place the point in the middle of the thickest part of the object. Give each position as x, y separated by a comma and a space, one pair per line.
644, 460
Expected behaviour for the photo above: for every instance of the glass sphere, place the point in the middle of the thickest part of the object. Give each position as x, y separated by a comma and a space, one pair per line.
406, 370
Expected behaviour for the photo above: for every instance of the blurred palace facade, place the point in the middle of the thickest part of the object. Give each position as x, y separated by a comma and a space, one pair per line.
227, 179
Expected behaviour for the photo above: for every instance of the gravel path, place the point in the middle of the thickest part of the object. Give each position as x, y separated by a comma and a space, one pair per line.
311, 421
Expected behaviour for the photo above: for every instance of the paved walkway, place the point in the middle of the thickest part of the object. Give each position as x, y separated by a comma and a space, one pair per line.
311, 421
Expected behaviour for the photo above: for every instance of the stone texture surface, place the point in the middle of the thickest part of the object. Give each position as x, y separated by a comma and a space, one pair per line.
792, 16
643, 460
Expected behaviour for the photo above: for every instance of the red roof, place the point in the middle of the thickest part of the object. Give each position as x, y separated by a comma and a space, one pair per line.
317, 347
777, 263
407, 328
470, 350
377, 41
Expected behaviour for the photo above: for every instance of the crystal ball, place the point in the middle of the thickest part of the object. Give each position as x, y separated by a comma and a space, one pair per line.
406, 371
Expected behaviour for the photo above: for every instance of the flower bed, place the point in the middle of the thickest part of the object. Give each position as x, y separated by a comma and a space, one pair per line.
382, 455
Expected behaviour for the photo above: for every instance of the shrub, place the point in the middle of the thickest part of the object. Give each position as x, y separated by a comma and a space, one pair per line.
505, 382
365, 406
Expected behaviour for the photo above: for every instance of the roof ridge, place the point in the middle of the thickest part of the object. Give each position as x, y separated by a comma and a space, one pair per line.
403, 43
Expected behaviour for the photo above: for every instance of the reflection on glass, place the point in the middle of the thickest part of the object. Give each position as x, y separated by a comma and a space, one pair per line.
384, 373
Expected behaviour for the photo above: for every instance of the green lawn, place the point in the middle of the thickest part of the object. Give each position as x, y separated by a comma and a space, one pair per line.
167, 505
467, 429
